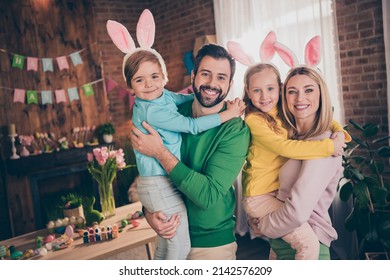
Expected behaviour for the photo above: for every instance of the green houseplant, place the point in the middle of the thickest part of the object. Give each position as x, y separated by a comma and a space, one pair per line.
365, 168
106, 131
72, 205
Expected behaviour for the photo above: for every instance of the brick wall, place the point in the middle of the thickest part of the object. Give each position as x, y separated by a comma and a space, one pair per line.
362, 56
360, 29
178, 23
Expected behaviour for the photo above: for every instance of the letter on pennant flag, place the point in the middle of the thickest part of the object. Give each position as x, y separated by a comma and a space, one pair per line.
60, 95
47, 64
62, 62
73, 94
76, 58
32, 97
88, 90
32, 63
46, 97
19, 95
18, 61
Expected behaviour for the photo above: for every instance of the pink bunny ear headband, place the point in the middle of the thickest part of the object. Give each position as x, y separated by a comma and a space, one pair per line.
146, 30
270, 46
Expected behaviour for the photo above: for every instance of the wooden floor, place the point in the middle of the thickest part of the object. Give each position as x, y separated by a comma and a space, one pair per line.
252, 249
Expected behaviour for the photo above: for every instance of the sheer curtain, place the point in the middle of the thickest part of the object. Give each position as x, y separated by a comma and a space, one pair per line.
295, 22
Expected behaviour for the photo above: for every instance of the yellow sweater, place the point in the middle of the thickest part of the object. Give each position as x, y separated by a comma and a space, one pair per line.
268, 151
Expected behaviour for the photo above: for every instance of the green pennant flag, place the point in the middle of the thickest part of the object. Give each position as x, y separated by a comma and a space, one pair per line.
88, 90
18, 61
32, 97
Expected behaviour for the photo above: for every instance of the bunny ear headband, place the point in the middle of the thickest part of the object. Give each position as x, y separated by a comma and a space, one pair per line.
270, 46
146, 30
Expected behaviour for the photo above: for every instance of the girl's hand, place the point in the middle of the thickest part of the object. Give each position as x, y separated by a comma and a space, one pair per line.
237, 107
339, 143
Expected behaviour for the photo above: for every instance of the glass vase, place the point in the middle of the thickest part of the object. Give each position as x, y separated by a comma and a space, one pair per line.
107, 200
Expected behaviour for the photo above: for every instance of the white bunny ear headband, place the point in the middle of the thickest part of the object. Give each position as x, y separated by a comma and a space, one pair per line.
146, 30
270, 46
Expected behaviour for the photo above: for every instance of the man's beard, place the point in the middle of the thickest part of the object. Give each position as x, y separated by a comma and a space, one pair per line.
206, 102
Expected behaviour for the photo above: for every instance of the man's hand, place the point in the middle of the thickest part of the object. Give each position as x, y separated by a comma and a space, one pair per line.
165, 229
253, 223
148, 144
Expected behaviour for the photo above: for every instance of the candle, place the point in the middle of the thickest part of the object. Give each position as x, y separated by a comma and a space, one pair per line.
11, 129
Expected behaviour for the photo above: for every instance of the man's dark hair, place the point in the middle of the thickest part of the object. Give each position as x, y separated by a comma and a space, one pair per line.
216, 52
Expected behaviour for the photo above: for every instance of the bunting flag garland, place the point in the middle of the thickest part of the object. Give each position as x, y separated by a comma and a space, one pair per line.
76, 58
88, 90
62, 62
46, 97
18, 61
32, 97
47, 64
32, 63
73, 94
19, 95
110, 84
60, 96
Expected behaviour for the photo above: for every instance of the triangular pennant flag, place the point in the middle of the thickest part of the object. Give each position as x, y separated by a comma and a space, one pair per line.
123, 92
110, 84
131, 101
32, 97
46, 97
19, 95
18, 61
88, 90
62, 62
76, 58
73, 94
47, 64
60, 95
32, 63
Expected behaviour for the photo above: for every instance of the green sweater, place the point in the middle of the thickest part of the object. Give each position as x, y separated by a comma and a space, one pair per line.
210, 162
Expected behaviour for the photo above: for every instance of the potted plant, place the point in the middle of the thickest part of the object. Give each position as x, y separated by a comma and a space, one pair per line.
106, 131
72, 205
365, 164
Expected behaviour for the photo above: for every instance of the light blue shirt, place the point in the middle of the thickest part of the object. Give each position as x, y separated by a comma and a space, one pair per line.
162, 115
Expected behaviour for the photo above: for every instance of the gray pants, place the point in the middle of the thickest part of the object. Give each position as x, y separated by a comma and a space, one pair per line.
157, 193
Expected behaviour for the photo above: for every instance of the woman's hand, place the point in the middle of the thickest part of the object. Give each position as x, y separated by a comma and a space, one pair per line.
158, 222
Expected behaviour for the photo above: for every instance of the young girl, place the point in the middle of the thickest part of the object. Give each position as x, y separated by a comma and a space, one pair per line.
270, 148
145, 74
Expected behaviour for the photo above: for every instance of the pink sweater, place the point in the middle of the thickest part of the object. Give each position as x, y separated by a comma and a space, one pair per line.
308, 188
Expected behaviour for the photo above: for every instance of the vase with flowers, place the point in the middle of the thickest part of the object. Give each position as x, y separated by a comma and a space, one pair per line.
103, 164
25, 141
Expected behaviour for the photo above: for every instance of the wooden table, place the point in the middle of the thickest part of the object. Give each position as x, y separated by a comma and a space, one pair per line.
130, 238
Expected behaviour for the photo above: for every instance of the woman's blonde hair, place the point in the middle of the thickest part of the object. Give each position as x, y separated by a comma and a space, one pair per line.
250, 108
324, 115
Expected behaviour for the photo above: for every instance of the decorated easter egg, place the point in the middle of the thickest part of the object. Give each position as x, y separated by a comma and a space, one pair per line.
69, 231
49, 238
72, 220
58, 223
80, 220
124, 222
65, 221
50, 225
3, 251
42, 251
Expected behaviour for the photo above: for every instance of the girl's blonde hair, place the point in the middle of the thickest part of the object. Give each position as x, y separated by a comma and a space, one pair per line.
250, 108
324, 115
134, 61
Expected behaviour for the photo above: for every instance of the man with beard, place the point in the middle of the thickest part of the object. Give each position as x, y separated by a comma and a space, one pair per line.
210, 161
